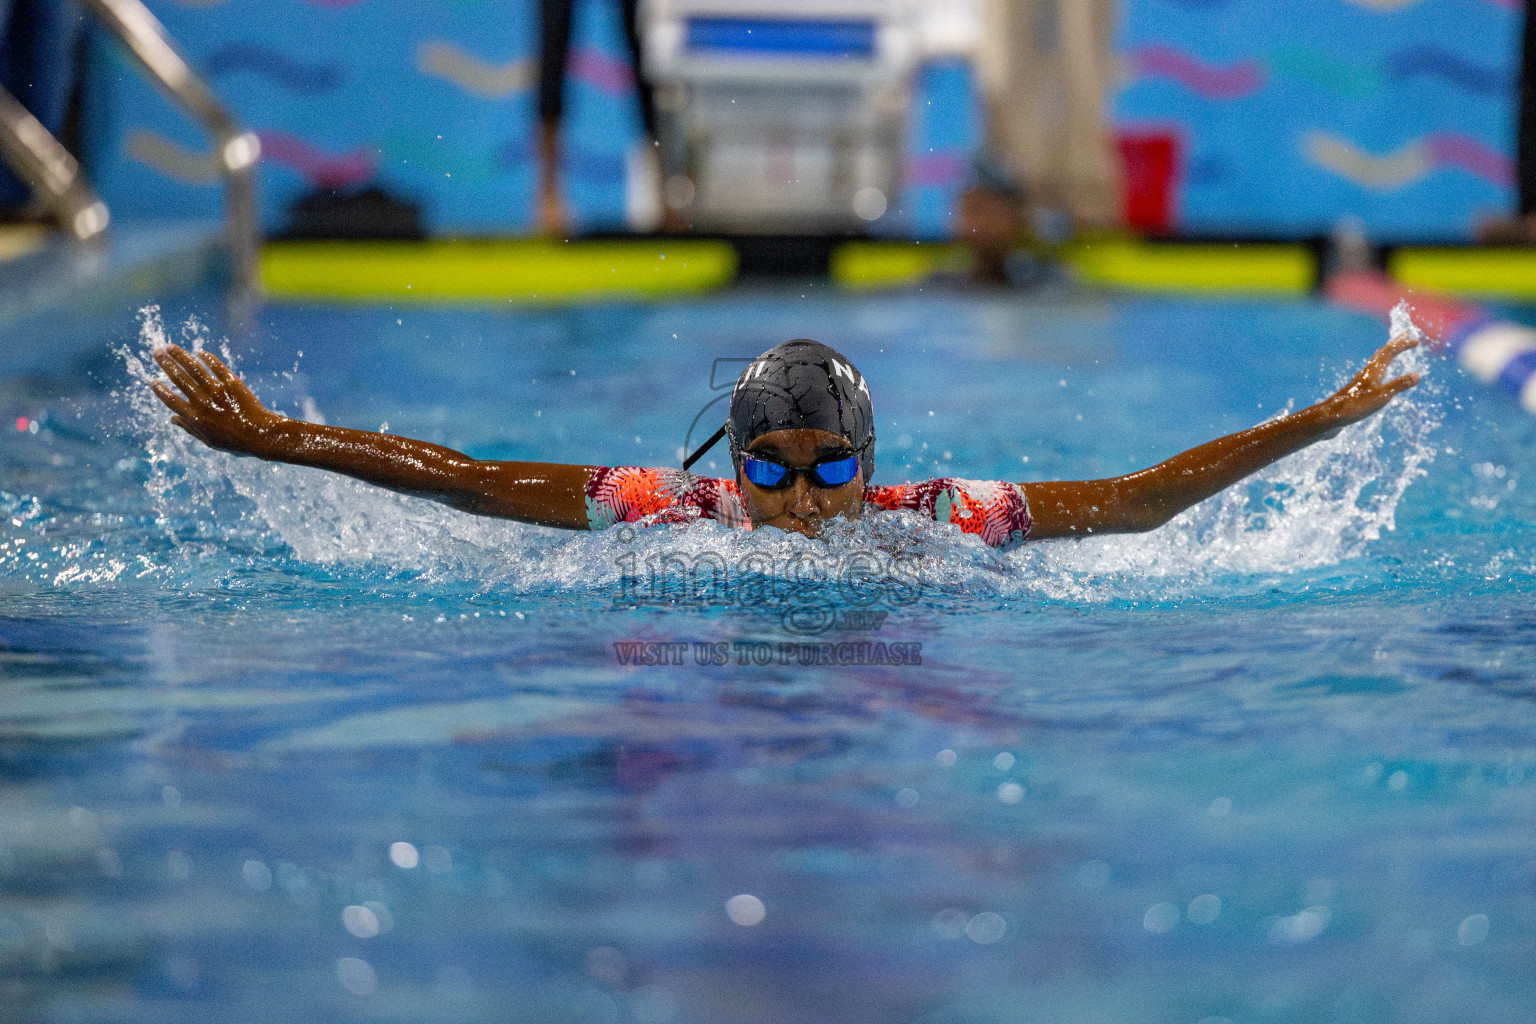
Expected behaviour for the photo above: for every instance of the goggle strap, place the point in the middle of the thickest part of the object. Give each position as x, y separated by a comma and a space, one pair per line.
714, 439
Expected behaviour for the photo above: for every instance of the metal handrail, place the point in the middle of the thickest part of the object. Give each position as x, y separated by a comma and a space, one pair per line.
47, 166
237, 150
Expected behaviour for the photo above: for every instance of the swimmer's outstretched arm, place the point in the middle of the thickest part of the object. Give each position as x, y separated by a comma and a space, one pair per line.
216, 407
1148, 499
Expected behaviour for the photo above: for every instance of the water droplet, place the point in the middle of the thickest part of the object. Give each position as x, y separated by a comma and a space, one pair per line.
1160, 918
1204, 909
360, 921
356, 976
257, 875
746, 910
950, 923
986, 928
1473, 930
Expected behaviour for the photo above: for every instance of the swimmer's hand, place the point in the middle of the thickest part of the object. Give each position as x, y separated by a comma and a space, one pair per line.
212, 404
1147, 499
1368, 391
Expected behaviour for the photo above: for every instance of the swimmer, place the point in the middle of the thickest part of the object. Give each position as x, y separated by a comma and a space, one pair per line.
802, 445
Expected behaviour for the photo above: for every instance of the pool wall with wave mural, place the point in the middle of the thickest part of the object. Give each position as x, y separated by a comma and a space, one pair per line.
1284, 117
1236, 117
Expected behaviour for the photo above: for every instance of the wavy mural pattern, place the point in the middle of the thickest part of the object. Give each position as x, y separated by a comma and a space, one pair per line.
169, 158
1456, 150
319, 168
195, 4
575, 163
1317, 69
942, 169
1408, 164
1380, 173
442, 59
294, 75
1217, 83
1388, 6
1437, 62
479, 78
415, 155
601, 71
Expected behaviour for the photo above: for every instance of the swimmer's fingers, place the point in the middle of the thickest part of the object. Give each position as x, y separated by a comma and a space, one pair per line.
1378, 363
176, 403
195, 369
1375, 398
178, 373
221, 372
1368, 380
1395, 347
187, 373
1396, 387
231, 385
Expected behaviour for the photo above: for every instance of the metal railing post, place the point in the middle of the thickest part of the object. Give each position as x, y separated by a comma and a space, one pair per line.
236, 150
46, 165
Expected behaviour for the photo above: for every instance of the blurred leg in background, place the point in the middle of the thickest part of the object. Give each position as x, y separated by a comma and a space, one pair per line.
1527, 135
631, 11
1522, 229
1047, 67
1526, 145
37, 66
554, 43
554, 52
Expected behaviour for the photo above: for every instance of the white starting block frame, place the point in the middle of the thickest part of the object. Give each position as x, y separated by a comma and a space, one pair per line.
781, 116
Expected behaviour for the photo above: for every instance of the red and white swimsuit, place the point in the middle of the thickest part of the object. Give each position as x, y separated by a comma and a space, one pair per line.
993, 510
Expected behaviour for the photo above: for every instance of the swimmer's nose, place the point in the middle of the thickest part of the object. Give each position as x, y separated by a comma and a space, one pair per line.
802, 504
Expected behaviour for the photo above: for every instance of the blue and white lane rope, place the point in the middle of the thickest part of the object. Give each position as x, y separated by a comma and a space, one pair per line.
1499, 353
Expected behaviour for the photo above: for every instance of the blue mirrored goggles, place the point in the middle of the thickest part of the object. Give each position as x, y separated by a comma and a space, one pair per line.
775, 476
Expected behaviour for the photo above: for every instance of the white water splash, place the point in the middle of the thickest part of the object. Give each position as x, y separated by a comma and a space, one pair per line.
1400, 324
1316, 508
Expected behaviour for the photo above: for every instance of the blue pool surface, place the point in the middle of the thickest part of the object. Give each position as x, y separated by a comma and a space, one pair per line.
276, 746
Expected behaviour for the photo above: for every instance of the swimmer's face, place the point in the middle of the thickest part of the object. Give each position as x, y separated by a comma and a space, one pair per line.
802, 507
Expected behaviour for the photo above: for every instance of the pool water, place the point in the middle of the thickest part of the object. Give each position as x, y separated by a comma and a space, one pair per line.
276, 746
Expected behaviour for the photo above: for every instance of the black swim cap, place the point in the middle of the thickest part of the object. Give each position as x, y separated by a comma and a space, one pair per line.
803, 384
